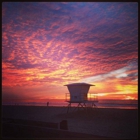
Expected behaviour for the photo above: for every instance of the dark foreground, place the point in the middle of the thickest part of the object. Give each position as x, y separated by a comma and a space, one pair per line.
46, 122
12, 128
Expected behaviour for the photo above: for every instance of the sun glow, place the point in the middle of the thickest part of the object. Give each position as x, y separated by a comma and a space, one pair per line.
127, 88
129, 98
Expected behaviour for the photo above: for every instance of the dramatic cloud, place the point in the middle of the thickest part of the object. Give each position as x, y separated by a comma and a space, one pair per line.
46, 45
120, 73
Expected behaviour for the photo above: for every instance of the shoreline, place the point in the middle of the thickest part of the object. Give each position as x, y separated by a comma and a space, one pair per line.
121, 104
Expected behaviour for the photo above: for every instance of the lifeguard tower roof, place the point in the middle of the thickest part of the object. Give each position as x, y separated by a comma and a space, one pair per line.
79, 84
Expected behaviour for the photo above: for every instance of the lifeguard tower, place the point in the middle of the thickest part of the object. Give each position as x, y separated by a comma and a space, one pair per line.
78, 93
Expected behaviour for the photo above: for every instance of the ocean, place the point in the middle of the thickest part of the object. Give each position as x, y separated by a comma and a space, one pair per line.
120, 104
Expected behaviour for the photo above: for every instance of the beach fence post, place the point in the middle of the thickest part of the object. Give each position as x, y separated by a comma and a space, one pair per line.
64, 125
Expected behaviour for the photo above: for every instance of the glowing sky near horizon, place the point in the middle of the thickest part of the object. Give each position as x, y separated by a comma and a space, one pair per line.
46, 45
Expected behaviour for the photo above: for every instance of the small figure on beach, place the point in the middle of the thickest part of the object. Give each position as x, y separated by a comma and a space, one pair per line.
47, 103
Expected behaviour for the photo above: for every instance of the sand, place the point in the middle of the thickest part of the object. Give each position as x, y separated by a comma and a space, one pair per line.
114, 123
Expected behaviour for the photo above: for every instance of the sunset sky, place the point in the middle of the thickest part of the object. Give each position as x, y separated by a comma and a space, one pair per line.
46, 45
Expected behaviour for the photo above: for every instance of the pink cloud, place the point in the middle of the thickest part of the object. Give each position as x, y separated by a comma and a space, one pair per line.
58, 43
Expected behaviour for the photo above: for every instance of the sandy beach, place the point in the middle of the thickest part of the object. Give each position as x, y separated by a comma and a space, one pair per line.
105, 122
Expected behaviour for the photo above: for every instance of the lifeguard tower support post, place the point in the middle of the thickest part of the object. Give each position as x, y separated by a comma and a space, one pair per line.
78, 93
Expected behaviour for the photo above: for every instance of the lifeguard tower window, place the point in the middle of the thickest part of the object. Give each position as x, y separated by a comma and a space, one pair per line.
75, 97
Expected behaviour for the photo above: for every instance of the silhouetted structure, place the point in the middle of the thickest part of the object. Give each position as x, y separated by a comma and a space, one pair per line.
47, 103
78, 93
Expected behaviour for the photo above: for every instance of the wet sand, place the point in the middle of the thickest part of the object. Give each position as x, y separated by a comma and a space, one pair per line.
114, 123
